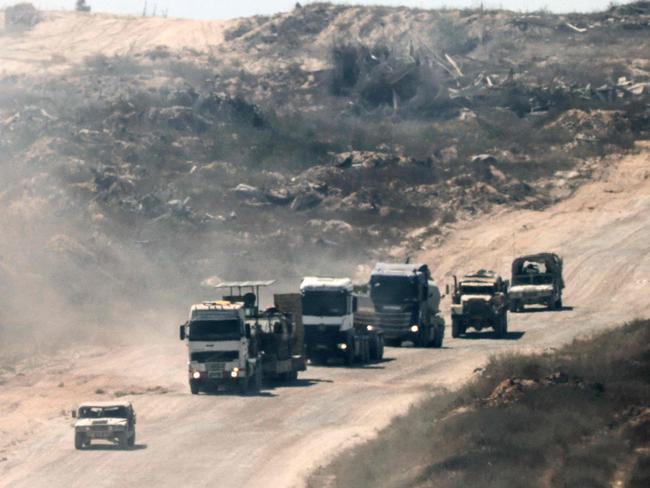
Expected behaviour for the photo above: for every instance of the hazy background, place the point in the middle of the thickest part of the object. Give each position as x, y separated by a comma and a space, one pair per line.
228, 9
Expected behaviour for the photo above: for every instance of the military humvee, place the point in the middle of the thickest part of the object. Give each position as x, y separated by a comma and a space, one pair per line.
480, 300
536, 280
107, 421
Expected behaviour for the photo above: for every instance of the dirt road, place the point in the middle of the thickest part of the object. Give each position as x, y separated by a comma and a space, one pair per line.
276, 438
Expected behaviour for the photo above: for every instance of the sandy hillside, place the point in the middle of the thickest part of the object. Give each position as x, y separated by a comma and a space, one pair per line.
63, 39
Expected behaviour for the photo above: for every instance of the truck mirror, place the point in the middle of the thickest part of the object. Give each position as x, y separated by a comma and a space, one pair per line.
447, 289
74, 414
181, 332
248, 331
355, 304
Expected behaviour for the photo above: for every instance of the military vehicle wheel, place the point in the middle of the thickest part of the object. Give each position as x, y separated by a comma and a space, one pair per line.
122, 440
132, 440
557, 304
194, 387
516, 307
501, 326
456, 328
79, 440
291, 376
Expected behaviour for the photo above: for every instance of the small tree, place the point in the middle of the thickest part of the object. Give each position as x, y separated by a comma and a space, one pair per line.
82, 6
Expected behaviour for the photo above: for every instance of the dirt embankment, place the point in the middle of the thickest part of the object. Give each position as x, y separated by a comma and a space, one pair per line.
579, 416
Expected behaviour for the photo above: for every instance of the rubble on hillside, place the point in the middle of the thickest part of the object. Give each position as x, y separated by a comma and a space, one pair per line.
21, 16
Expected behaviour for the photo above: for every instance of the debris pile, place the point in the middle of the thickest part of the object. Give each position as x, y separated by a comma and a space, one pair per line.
21, 15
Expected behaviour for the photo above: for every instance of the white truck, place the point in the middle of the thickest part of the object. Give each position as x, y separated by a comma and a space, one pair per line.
328, 308
231, 343
221, 348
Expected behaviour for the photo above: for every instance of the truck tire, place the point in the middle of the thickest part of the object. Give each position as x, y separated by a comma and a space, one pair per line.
122, 440
242, 383
393, 342
349, 353
378, 353
132, 440
515, 306
439, 337
79, 440
257, 378
422, 339
456, 327
194, 387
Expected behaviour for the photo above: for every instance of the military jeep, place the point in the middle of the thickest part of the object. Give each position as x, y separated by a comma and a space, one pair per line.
480, 300
113, 422
536, 280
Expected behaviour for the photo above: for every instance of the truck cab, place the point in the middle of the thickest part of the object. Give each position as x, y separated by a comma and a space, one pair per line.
406, 302
328, 308
221, 347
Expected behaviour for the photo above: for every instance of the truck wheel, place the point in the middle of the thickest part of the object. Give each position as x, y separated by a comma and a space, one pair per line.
122, 440
456, 328
393, 342
79, 440
349, 353
132, 440
380, 348
243, 385
438, 338
257, 379
515, 306
422, 339
557, 304
194, 387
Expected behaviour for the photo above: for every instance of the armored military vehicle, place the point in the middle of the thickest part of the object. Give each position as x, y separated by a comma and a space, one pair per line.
480, 300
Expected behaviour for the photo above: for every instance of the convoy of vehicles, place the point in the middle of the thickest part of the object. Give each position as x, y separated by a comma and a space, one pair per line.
480, 300
107, 421
331, 331
231, 343
406, 304
536, 280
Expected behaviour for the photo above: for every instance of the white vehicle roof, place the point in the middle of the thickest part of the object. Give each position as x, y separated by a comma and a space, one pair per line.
122, 403
392, 269
325, 283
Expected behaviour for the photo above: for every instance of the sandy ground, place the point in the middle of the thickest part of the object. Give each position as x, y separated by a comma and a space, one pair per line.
64, 39
276, 438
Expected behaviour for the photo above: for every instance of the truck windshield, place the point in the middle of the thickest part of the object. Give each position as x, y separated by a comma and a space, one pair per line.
103, 412
476, 290
393, 289
324, 303
215, 330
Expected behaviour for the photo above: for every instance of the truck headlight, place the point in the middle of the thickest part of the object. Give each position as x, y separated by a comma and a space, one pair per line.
234, 373
196, 375
370, 328
415, 328
343, 346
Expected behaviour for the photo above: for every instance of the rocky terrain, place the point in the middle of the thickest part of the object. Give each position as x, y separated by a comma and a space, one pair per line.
143, 156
